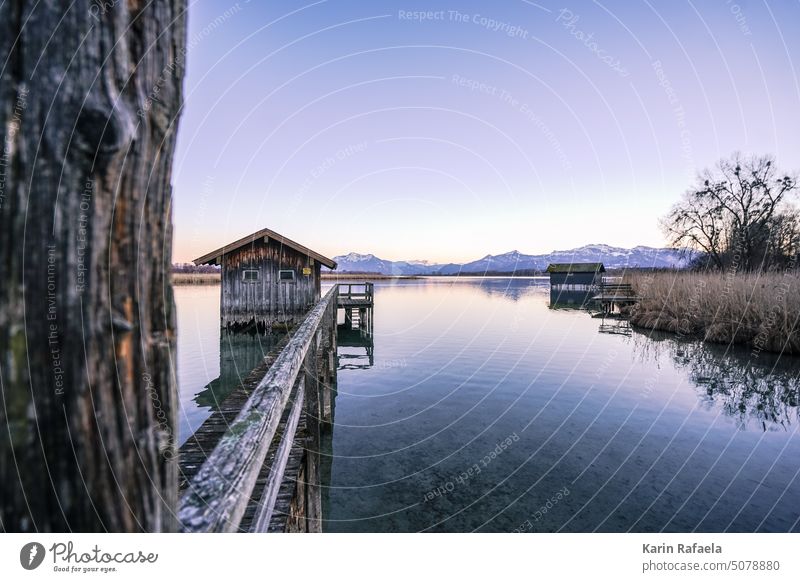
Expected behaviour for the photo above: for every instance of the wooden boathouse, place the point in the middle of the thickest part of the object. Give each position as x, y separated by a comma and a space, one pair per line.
575, 276
256, 464
572, 285
267, 279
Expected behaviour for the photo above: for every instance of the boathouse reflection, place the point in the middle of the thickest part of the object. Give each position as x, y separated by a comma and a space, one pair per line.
569, 299
239, 354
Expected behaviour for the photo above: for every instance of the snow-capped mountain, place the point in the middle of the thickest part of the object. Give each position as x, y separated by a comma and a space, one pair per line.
506, 263
369, 263
364, 263
515, 261
616, 258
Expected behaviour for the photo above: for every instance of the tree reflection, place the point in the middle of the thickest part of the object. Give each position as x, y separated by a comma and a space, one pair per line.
756, 390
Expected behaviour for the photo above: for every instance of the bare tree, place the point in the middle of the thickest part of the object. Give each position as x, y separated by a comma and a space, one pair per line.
734, 213
696, 223
782, 247
90, 94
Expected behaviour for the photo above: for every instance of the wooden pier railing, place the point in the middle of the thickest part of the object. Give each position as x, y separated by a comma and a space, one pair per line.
356, 294
294, 392
616, 292
615, 296
357, 300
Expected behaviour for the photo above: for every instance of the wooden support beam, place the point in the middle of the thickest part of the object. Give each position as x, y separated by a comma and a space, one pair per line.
266, 504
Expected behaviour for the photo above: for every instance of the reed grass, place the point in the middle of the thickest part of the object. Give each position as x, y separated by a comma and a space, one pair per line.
195, 278
758, 310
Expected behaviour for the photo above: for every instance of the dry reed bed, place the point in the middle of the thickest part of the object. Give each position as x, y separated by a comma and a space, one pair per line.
195, 278
758, 310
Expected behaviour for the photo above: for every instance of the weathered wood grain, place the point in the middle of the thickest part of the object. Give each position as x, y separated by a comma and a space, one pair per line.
89, 103
266, 505
313, 496
194, 452
267, 301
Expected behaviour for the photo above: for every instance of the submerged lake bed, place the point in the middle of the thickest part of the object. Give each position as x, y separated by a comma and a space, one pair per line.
478, 406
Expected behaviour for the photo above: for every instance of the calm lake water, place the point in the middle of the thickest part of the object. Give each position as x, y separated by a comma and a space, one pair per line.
477, 406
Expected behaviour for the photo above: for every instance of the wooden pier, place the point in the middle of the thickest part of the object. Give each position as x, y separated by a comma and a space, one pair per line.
357, 300
611, 295
254, 465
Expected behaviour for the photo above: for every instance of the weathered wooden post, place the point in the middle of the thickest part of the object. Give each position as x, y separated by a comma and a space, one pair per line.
90, 95
313, 495
330, 365
325, 371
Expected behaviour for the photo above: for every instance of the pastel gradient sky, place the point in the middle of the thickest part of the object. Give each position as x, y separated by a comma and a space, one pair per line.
353, 126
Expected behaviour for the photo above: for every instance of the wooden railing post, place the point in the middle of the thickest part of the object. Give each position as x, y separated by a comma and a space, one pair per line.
328, 366
312, 488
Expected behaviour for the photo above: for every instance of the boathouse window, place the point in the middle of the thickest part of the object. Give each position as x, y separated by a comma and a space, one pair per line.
249, 275
286, 275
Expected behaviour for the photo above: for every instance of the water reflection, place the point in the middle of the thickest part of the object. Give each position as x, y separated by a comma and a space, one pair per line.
456, 366
615, 326
239, 353
757, 392
564, 299
511, 288
356, 349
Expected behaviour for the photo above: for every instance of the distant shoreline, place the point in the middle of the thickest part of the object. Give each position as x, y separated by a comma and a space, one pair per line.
214, 278
365, 276
196, 278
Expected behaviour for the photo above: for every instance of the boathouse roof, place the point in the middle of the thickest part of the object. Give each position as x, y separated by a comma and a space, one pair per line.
211, 258
576, 268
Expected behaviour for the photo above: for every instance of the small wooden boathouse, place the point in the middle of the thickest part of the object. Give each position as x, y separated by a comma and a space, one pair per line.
575, 276
267, 279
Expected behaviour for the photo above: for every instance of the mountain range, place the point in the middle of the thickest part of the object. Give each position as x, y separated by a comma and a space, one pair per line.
515, 261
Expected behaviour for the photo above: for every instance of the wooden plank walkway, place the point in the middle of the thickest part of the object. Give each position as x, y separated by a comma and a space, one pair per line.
289, 484
194, 452
254, 464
